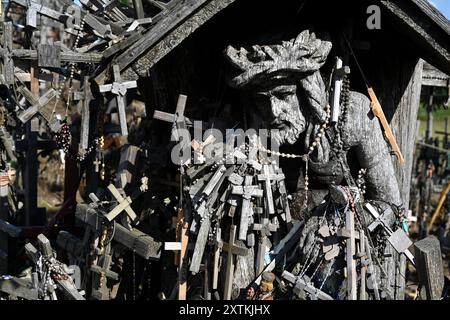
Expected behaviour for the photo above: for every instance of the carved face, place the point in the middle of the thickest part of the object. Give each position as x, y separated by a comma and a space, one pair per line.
280, 109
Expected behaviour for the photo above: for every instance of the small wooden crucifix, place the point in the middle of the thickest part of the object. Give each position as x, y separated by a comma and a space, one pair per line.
119, 89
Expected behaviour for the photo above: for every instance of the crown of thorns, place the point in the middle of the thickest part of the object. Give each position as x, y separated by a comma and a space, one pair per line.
304, 54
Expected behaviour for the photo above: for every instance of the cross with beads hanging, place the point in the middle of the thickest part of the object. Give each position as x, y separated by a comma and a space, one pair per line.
119, 89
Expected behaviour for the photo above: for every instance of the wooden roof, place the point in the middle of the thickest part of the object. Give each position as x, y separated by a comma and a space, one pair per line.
417, 20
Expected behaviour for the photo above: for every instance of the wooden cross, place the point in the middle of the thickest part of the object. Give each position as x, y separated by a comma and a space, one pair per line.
178, 119
119, 89
247, 192
31, 144
265, 228
102, 271
37, 106
286, 215
86, 97
183, 237
267, 176
124, 204
232, 249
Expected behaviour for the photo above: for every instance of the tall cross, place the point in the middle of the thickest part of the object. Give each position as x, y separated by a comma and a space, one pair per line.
283, 198
247, 191
265, 229
86, 97
37, 106
123, 204
267, 176
119, 89
232, 249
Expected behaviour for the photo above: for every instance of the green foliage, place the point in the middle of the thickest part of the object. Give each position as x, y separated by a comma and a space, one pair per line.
439, 113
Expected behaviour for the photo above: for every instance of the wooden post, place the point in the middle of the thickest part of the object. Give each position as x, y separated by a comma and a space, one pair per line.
351, 263
438, 210
429, 267
4, 213
182, 271
429, 131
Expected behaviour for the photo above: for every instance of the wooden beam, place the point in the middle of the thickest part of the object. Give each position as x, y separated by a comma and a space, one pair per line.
171, 28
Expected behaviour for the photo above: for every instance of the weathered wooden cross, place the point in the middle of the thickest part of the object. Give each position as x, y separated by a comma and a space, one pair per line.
123, 204
86, 97
247, 192
265, 229
232, 249
119, 89
267, 177
37, 106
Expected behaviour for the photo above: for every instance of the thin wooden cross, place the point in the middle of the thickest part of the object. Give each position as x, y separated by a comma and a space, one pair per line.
86, 97
247, 192
124, 204
119, 89
37, 106
178, 119
265, 229
267, 176
232, 249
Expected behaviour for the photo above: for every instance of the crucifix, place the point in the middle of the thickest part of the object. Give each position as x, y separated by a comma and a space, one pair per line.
247, 192
123, 204
232, 249
86, 97
37, 106
265, 229
119, 89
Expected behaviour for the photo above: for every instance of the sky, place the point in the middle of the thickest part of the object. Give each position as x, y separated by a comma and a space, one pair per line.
443, 6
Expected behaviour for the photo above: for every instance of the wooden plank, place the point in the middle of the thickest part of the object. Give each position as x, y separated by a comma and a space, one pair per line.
8, 65
49, 55
172, 32
18, 288
351, 263
429, 267
144, 245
